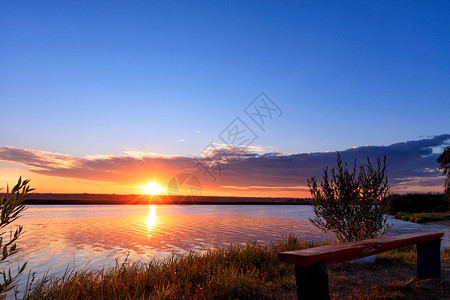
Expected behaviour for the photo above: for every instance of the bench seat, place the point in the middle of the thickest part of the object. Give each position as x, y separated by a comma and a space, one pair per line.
355, 250
311, 274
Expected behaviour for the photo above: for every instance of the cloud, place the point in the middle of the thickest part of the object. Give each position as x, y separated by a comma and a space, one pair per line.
110, 168
411, 166
36, 158
275, 188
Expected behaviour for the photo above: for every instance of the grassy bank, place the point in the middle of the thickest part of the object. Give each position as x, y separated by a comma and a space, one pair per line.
423, 217
251, 271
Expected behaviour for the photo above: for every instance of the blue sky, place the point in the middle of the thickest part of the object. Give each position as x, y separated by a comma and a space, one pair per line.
104, 77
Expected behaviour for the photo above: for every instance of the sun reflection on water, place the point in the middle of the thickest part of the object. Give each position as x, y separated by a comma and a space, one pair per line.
151, 219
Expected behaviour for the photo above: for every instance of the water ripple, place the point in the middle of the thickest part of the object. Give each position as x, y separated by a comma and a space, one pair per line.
59, 236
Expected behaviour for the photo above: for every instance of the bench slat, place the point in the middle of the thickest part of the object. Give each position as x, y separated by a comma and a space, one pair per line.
355, 250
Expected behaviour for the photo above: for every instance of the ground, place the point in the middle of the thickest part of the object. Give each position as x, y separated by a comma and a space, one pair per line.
378, 281
389, 280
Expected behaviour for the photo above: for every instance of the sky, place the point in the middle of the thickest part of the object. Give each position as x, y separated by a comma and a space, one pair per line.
105, 96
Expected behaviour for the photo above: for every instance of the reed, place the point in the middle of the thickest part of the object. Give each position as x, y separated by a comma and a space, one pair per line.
252, 271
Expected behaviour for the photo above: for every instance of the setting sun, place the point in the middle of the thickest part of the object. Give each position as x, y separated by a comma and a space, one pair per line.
153, 189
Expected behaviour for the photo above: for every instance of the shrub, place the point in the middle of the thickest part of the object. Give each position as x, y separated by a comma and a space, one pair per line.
352, 203
11, 205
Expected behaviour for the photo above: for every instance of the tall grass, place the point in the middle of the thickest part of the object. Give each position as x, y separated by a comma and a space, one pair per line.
250, 271
423, 217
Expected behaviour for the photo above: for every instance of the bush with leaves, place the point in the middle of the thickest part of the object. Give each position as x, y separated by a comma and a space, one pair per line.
11, 205
444, 165
353, 202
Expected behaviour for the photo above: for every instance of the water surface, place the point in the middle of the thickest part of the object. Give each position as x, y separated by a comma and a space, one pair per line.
66, 235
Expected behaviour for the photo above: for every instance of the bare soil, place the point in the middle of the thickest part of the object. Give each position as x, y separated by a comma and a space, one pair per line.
377, 281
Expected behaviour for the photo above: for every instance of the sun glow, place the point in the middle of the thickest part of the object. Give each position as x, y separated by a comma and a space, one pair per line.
153, 189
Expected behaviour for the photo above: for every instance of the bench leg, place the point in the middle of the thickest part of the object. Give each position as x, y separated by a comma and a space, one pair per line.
312, 281
429, 259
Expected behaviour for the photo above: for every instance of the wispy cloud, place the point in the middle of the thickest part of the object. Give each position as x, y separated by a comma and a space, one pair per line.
36, 158
412, 166
272, 188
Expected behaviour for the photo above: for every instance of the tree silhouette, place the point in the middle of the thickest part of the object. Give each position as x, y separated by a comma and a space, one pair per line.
444, 162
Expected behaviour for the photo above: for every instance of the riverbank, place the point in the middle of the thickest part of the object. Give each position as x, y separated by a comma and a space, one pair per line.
443, 217
135, 199
250, 271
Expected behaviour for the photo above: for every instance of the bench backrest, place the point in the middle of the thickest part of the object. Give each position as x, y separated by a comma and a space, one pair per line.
354, 250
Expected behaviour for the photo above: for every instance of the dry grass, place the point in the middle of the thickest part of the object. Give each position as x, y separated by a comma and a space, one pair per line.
251, 271
242, 272
423, 217
393, 276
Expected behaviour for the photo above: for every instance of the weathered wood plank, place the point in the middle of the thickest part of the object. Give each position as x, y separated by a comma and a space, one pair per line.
354, 250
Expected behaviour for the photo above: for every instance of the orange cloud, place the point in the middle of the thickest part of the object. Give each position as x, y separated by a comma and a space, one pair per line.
221, 170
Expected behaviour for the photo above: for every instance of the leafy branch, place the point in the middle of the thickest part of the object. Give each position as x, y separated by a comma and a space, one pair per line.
11, 206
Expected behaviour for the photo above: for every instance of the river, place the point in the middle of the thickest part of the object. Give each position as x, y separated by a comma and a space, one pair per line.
60, 236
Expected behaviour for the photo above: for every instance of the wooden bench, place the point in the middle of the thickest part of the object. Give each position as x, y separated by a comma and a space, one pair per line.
310, 264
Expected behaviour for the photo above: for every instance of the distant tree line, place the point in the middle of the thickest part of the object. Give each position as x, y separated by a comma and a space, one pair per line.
417, 202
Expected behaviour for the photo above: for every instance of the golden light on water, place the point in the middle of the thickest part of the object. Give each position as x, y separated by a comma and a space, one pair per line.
151, 219
153, 188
